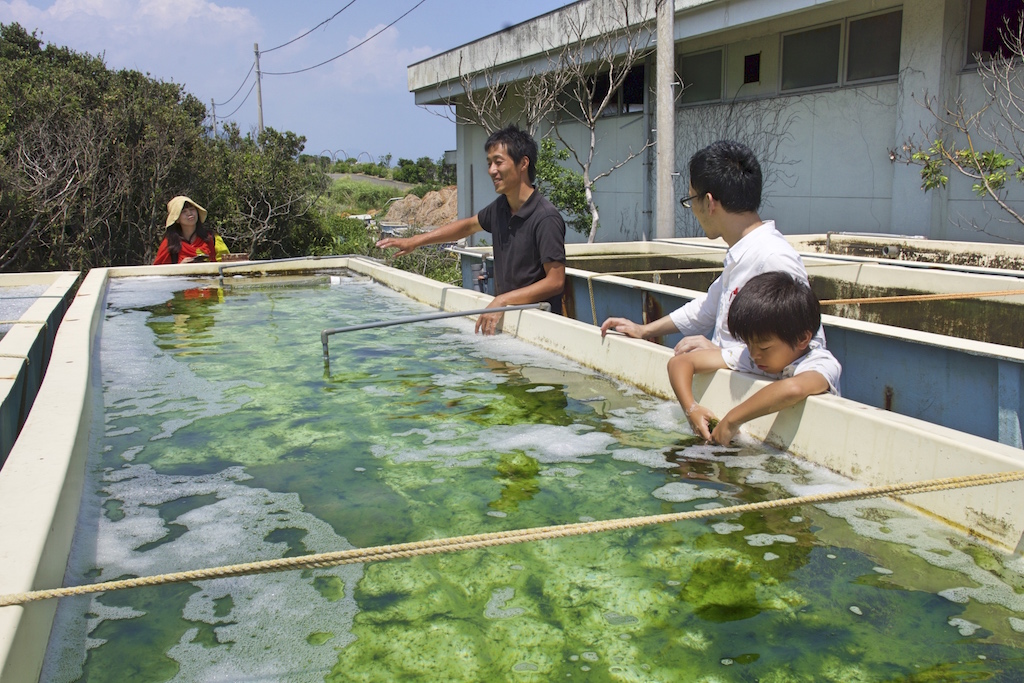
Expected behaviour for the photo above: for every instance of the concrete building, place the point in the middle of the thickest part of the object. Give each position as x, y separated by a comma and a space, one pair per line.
827, 92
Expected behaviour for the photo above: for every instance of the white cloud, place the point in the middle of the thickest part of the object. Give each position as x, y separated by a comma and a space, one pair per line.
380, 63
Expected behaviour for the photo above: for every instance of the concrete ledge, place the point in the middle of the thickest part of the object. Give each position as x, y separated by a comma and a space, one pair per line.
41, 486
26, 346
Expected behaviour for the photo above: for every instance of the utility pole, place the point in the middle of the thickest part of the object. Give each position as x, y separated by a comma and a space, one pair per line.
259, 90
665, 210
213, 108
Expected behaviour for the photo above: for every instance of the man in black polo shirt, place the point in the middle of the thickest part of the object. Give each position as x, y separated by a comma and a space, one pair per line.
527, 231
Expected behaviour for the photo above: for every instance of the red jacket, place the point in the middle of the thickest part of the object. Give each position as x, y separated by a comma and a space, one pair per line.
163, 254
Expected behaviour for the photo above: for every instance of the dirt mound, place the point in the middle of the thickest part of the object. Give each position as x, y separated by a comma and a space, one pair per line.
436, 208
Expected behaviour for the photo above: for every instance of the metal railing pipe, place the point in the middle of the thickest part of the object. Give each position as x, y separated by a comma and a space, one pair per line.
543, 306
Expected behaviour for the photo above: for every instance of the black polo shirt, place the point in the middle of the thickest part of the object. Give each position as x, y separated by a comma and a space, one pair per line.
524, 242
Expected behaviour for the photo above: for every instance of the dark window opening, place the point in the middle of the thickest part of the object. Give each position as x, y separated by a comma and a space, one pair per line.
633, 91
752, 68
599, 88
992, 26
627, 99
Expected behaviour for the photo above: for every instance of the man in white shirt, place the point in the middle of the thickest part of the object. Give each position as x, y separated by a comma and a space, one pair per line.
725, 193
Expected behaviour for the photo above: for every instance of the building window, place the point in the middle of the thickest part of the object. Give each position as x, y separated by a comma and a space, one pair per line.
752, 68
811, 58
991, 22
874, 46
701, 76
629, 98
632, 95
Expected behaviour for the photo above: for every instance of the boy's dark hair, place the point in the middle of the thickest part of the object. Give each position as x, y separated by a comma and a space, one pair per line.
774, 304
518, 144
730, 172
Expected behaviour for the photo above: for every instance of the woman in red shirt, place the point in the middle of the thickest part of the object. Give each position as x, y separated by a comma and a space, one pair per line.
187, 240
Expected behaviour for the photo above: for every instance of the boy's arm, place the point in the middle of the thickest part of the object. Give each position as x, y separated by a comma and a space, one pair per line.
773, 398
681, 370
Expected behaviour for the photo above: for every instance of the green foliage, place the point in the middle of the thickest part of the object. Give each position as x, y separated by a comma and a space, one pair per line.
350, 236
354, 196
562, 186
269, 196
433, 262
423, 171
988, 168
380, 169
421, 190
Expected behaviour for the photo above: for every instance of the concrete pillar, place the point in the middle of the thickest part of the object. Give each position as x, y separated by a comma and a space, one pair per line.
665, 213
930, 55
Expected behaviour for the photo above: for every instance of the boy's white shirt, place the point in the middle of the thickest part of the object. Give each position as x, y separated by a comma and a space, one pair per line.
762, 250
817, 359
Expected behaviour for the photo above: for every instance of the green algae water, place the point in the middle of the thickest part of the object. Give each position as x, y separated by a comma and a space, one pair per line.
220, 438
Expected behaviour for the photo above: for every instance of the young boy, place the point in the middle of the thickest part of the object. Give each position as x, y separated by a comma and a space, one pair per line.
776, 316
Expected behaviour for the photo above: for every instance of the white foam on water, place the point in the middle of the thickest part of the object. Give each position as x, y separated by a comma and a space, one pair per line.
765, 540
966, 628
768, 557
138, 381
958, 595
647, 458
540, 389
650, 413
569, 472
462, 378
380, 392
1016, 624
129, 453
496, 609
549, 444
726, 528
264, 635
681, 492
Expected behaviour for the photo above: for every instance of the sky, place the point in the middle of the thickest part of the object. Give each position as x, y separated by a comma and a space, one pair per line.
357, 105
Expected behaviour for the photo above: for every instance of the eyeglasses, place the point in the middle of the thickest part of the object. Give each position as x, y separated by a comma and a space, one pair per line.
686, 202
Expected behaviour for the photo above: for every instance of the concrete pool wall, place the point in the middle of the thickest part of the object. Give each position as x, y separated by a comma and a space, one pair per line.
40, 489
26, 343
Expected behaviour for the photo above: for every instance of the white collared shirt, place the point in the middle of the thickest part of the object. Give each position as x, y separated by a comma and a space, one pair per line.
817, 359
762, 250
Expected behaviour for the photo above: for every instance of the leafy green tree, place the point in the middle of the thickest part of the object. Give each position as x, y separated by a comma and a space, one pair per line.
420, 172
562, 186
269, 198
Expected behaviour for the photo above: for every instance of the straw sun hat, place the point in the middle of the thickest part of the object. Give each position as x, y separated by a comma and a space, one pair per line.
175, 206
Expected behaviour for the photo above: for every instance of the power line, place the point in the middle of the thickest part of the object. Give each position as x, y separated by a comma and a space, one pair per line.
228, 116
244, 80
310, 30
364, 42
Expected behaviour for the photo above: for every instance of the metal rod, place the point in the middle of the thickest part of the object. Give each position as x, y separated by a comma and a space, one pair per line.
544, 306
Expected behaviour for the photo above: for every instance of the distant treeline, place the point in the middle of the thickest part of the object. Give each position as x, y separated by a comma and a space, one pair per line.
423, 171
